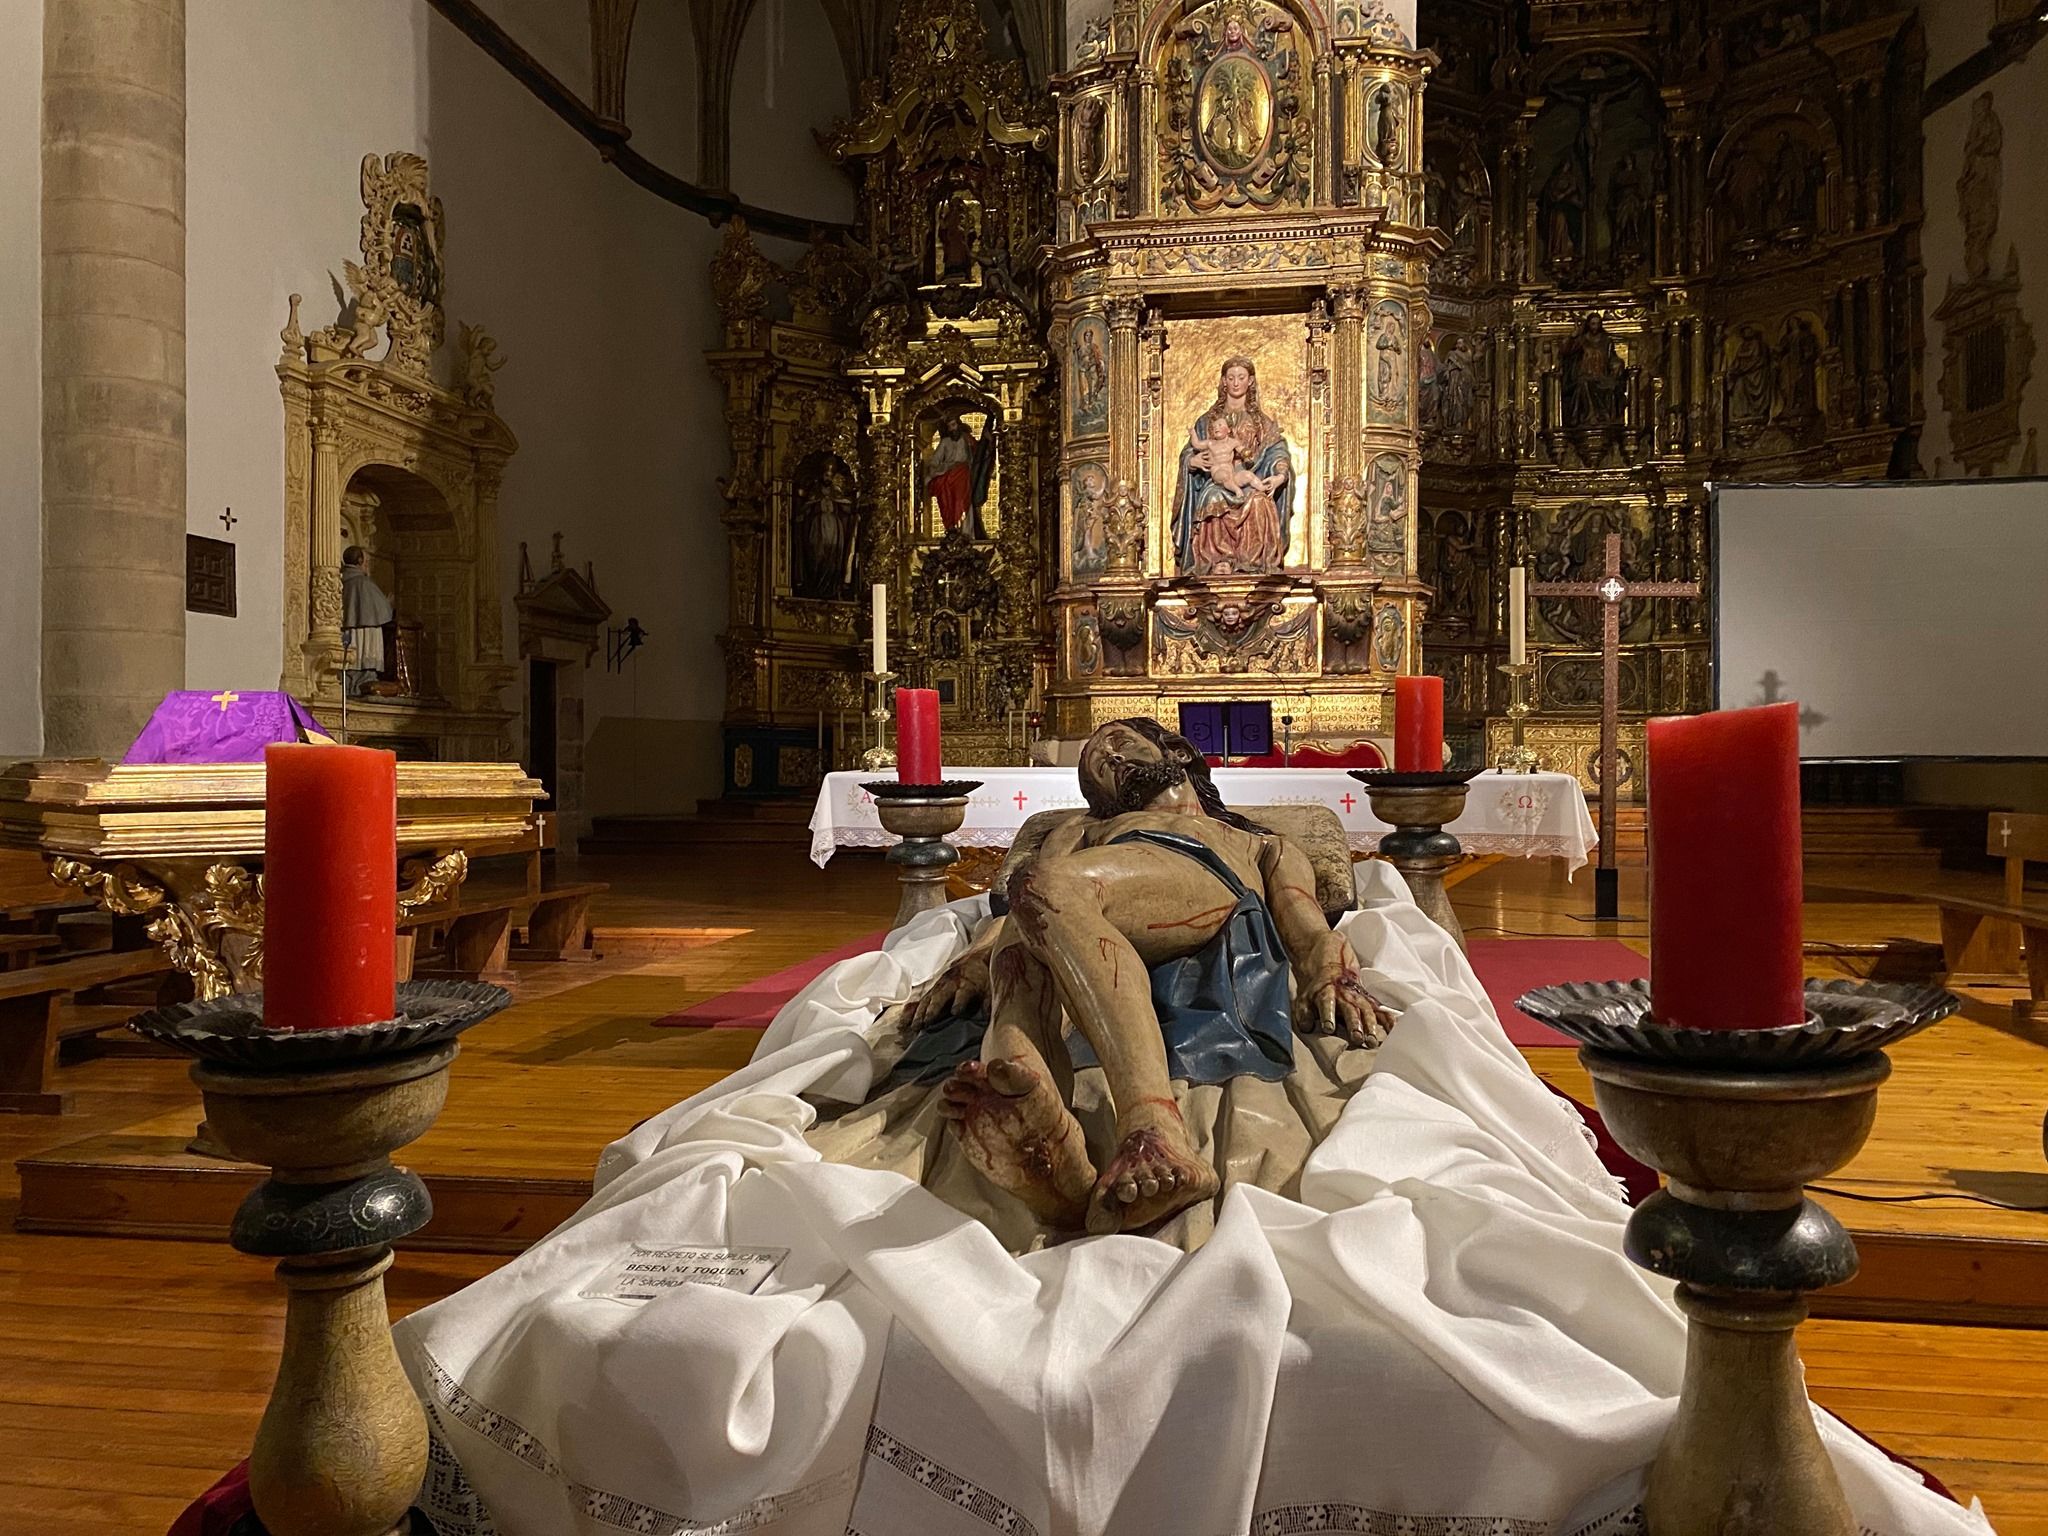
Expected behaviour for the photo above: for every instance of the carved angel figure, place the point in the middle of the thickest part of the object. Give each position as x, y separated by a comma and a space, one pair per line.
480, 360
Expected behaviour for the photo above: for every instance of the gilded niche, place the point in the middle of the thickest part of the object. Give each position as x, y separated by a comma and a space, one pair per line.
1234, 125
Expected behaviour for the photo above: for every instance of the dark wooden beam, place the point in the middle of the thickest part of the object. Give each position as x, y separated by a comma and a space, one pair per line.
2010, 42
610, 138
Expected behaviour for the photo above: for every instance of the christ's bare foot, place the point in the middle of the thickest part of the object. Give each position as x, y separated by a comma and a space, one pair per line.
1015, 1130
1155, 1174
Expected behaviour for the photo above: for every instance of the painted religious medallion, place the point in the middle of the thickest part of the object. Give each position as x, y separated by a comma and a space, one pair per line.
1234, 127
1236, 112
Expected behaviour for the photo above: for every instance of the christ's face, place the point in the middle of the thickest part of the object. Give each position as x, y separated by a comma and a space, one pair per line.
1237, 381
1123, 771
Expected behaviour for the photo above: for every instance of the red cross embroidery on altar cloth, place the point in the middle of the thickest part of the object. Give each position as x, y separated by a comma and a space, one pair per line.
1020, 799
1347, 802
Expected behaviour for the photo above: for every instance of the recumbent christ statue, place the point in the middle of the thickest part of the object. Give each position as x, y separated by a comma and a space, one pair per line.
1165, 926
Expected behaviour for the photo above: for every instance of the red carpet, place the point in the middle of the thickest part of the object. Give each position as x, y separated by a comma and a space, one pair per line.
755, 1005
1509, 967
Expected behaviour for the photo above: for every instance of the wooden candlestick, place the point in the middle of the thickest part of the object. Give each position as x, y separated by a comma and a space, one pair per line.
1419, 846
342, 1447
924, 817
1739, 1122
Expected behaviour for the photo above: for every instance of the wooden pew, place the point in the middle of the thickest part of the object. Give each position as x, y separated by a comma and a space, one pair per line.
33, 1023
1982, 938
558, 926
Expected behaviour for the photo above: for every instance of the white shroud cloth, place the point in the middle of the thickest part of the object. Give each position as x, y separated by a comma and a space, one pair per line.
1440, 1336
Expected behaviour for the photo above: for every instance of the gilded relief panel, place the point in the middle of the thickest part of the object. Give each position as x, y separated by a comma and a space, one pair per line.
1085, 492
1235, 111
1088, 377
1238, 461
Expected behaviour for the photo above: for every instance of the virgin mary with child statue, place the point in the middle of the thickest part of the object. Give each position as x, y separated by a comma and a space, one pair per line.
1234, 500
1185, 1182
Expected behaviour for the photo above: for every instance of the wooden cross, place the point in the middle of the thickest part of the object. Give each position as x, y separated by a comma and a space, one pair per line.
1612, 590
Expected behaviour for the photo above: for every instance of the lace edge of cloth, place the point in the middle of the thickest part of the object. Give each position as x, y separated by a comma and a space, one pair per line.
1514, 845
449, 1499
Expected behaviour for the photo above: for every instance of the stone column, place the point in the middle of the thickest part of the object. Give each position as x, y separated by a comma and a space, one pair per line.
113, 248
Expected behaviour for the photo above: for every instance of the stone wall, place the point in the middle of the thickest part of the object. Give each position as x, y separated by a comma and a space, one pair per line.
21, 385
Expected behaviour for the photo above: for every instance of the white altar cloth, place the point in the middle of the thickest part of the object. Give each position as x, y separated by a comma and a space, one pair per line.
1439, 1337
1522, 815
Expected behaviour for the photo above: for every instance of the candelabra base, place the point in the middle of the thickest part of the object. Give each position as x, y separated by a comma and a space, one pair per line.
1739, 1122
924, 816
1419, 847
342, 1447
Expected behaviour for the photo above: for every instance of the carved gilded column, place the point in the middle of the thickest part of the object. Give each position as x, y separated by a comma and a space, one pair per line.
1347, 365
1124, 313
323, 637
1017, 539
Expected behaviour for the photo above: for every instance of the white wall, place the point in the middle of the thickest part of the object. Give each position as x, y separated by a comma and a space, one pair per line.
283, 103
788, 85
595, 289
599, 295
21, 381
2020, 94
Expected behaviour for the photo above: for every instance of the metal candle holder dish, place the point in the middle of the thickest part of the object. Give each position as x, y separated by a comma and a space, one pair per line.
1739, 1121
1419, 806
923, 816
343, 1443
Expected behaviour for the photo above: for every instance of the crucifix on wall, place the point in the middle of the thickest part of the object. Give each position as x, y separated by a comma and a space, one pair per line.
1612, 590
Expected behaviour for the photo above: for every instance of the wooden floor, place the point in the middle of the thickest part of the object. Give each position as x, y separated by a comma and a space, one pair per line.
132, 1372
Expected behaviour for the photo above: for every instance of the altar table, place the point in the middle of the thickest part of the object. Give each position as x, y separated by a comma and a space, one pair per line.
1521, 815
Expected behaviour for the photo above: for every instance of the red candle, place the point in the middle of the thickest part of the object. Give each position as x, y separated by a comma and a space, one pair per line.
1418, 724
330, 886
1725, 884
917, 735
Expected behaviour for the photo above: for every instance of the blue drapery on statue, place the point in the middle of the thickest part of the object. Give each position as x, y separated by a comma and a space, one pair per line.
1224, 1010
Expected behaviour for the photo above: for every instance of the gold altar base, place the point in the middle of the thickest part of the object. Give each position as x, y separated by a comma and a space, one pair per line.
1571, 746
183, 843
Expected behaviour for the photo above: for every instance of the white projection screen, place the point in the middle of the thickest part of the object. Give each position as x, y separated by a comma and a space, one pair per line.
1908, 619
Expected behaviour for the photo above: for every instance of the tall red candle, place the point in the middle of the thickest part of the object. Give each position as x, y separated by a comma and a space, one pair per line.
1418, 724
330, 886
917, 735
1725, 884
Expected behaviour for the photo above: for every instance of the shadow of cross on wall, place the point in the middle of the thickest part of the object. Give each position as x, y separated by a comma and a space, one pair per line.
1772, 689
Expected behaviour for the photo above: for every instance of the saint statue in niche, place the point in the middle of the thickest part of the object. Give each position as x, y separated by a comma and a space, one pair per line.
365, 610
1090, 377
822, 560
1564, 214
1749, 378
1978, 188
956, 240
1235, 493
1592, 370
957, 471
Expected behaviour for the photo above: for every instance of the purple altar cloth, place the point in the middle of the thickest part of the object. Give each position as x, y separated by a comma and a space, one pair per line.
224, 727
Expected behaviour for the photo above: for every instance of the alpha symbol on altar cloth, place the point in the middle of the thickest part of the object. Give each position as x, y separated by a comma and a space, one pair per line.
224, 698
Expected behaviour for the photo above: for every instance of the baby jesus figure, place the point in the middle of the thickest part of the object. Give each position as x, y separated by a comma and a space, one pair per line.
1221, 458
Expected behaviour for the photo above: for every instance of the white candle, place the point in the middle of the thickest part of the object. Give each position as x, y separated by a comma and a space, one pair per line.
881, 627
1518, 616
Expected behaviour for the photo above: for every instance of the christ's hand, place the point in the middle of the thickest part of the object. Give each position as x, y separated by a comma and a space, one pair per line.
955, 992
1330, 999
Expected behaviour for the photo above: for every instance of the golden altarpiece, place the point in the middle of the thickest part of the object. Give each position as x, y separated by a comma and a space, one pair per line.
1682, 248
892, 423
1240, 278
387, 455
